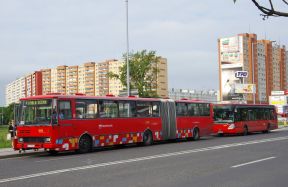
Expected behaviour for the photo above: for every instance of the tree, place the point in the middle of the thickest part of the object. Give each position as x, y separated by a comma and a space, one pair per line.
143, 72
269, 11
8, 113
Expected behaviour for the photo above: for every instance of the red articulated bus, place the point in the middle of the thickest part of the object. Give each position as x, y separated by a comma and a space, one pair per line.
61, 123
243, 118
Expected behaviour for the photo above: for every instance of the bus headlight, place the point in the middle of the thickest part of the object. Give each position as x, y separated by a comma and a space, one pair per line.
231, 126
20, 140
47, 139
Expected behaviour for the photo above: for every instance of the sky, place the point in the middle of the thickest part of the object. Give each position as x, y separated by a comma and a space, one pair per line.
44, 34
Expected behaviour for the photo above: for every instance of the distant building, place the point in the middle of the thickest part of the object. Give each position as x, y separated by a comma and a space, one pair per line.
204, 95
89, 78
29, 85
265, 63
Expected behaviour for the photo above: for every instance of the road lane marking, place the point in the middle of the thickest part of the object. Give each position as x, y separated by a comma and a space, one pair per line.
53, 159
253, 162
141, 159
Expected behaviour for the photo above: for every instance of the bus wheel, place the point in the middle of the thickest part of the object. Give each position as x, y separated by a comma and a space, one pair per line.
53, 152
196, 135
85, 144
220, 134
267, 129
245, 131
147, 138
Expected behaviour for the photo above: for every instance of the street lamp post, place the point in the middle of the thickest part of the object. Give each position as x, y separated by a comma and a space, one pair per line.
127, 52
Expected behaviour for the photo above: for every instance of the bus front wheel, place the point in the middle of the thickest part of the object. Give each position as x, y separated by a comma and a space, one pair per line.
267, 129
245, 131
85, 144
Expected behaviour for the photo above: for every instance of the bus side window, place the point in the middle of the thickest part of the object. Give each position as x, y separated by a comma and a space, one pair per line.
244, 114
108, 109
272, 116
155, 109
86, 109
182, 109
65, 110
237, 116
144, 109
127, 109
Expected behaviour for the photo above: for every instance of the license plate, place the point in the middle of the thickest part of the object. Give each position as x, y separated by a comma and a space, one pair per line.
30, 146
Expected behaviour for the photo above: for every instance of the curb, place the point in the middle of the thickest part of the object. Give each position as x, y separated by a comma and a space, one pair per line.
16, 154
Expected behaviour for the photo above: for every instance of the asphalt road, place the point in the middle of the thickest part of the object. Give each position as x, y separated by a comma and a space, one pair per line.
254, 160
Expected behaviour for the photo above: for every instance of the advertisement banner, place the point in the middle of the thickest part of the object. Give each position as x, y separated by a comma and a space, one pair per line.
229, 82
278, 100
231, 60
230, 44
245, 88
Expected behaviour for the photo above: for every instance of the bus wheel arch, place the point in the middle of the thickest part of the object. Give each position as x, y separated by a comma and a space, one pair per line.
147, 137
267, 128
245, 130
85, 143
196, 134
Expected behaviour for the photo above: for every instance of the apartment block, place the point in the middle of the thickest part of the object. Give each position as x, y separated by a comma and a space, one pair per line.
161, 85
89, 78
71, 80
286, 69
15, 90
261, 72
264, 61
115, 85
26, 86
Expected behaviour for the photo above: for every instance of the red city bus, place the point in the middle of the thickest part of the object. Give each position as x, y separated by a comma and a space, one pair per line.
243, 118
59, 123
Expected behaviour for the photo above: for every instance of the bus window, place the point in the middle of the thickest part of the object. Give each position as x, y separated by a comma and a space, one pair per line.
272, 114
144, 109
108, 109
155, 109
181, 109
86, 109
193, 109
127, 109
244, 114
65, 110
204, 109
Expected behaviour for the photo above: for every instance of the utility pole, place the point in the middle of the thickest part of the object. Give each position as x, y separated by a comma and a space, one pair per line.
127, 52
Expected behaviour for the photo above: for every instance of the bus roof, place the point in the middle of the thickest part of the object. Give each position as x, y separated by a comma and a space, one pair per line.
110, 97
86, 97
245, 105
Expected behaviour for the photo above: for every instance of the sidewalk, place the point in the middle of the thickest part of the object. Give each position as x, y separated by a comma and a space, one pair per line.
9, 153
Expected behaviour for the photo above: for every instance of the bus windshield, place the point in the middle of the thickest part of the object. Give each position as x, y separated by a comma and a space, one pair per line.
223, 114
36, 112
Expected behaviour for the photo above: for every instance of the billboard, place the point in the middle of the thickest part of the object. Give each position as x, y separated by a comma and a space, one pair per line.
278, 100
245, 88
231, 62
231, 44
229, 82
231, 50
